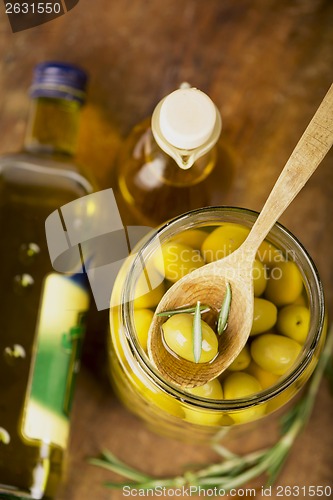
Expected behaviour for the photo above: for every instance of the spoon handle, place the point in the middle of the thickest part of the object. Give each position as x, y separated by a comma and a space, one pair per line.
304, 160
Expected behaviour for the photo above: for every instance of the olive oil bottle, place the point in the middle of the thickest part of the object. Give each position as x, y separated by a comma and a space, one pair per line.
174, 161
42, 312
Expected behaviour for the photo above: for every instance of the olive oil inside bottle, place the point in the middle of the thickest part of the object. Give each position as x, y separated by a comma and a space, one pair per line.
151, 188
38, 307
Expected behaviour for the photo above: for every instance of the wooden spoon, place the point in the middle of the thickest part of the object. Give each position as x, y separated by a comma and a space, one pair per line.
208, 283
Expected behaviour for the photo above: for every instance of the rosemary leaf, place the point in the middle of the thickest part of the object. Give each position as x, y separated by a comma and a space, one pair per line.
116, 486
288, 419
118, 469
222, 321
197, 333
223, 451
111, 459
184, 309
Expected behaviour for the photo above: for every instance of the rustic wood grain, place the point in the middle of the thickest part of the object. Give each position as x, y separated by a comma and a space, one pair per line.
267, 64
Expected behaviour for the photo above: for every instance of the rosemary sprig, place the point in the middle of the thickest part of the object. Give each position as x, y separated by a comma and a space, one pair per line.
184, 309
234, 470
197, 333
111, 462
222, 321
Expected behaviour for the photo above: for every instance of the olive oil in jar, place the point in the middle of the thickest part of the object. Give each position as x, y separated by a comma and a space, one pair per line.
173, 162
42, 313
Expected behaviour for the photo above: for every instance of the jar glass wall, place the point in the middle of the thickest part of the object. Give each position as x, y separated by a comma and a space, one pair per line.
164, 406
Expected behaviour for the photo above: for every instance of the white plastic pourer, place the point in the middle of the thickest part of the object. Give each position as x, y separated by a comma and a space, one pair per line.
186, 124
187, 118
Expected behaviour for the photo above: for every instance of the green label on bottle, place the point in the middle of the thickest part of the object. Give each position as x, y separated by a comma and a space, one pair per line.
58, 344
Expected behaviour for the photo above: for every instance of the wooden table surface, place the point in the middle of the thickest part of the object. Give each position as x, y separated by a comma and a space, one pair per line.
267, 64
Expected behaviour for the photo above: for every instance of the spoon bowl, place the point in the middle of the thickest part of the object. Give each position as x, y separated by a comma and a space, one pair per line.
208, 283
208, 287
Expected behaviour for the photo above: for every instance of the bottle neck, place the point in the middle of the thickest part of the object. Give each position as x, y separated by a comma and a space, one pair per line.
166, 169
185, 158
52, 126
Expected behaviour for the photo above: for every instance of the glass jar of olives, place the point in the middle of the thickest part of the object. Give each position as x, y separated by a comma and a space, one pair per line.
281, 353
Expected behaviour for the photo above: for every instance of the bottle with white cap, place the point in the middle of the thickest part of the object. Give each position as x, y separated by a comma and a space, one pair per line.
175, 161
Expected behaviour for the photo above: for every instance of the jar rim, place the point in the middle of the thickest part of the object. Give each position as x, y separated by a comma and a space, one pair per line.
313, 286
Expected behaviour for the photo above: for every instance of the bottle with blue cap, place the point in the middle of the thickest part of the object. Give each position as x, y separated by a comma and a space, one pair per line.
42, 312
174, 161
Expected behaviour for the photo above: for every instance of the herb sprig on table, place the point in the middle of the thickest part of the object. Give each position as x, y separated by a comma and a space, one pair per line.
234, 470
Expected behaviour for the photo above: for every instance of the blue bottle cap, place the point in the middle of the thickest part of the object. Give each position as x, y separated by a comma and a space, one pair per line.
59, 81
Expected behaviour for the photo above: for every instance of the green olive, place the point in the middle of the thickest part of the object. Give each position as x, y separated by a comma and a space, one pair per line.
268, 254
281, 399
149, 290
178, 335
301, 300
264, 316
228, 237
156, 397
223, 241
167, 403
174, 260
259, 274
142, 321
294, 322
203, 416
239, 385
285, 283
191, 237
210, 390
242, 361
266, 379
275, 353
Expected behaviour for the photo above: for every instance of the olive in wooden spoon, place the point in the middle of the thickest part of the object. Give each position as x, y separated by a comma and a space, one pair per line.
208, 283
